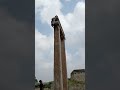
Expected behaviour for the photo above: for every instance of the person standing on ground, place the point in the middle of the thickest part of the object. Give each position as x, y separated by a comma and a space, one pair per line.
41, 85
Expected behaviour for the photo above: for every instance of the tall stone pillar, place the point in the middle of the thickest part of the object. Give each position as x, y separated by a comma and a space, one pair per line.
60, 70
57, 58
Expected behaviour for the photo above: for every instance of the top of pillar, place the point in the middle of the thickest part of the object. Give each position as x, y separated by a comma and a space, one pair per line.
56, 22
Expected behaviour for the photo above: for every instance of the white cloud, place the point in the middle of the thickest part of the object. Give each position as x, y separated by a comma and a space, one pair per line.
48, 9
43, 55
74, 28
67, 0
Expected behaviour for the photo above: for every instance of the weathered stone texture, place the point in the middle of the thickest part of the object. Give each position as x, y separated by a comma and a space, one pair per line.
64, 67
60, 70
57, 60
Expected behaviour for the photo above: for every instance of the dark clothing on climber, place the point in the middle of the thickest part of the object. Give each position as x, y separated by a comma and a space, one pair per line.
41, 85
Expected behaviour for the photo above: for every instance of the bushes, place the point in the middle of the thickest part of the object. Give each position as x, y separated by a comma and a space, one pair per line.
48, 85
36, 84
76, 85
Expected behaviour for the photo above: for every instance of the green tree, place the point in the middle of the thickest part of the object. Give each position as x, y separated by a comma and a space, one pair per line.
36, 82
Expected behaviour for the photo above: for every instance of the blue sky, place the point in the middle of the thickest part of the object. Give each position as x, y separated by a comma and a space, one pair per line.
72, 17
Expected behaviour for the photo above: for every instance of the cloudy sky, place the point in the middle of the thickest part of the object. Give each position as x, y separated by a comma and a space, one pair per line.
72, 17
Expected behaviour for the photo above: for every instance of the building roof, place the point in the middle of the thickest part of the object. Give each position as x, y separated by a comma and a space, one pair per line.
78, 70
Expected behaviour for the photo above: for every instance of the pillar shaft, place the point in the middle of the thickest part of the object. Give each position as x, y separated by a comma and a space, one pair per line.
64, 67
60, 69
57, 60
